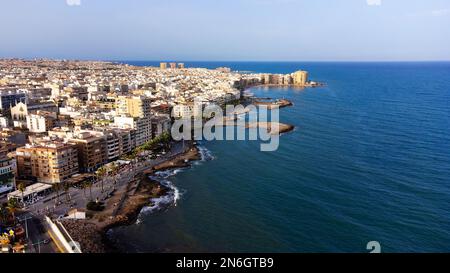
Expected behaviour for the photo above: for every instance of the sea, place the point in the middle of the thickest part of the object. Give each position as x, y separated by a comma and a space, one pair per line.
369, 160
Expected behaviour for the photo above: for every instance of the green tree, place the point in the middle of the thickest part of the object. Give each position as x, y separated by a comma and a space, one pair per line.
85, 186
57, 188
13, 206
21, 187
100, 175
4, 214
89, 184
114, 169
66, 187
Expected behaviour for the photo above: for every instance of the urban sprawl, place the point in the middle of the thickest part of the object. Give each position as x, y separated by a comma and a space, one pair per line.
67, 126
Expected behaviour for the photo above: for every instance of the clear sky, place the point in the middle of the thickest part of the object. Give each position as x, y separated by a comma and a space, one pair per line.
284, 30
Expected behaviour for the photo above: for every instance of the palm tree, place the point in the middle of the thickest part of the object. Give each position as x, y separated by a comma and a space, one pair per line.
66, 187
21, 187
3, 215
89, 184
114, 171
13, 206
100, 174
57, 188
84, 186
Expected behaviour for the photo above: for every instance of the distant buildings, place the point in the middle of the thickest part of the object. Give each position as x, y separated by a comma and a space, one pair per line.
4, 122
300, 78
185, 110
20, 111
172, 65
41, 122
9, 98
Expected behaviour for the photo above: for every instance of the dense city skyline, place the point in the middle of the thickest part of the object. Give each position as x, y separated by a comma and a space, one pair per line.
248, 30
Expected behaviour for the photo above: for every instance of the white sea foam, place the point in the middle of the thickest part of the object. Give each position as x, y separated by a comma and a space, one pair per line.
174, 194
171, 198
205, 154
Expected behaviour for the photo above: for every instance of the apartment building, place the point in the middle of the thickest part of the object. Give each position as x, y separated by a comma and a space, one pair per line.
10, 97
92, 150
136, 106
48, 162
141, 126
7, 179
41, 122
300, 78
160, 125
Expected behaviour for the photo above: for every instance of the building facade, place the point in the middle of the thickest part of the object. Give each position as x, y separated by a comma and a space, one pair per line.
49, 162
92, 150
300, 78
7, 179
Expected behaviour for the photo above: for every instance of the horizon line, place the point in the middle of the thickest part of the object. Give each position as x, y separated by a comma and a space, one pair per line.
224, 61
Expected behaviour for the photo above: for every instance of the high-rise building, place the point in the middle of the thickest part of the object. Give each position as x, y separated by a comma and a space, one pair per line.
92, 150
163, 65
119, 142
9, 98
160, 125
173, 65
133, 106
300, 78
49, 162
141, 126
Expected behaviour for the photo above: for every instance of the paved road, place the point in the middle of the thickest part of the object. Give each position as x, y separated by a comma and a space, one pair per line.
32, 218
39, 240
78, 198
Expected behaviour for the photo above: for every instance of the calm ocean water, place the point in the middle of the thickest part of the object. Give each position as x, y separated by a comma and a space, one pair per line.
369, 161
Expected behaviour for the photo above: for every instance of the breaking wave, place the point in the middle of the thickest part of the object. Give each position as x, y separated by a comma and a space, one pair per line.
205, 154
171, 198
174, 194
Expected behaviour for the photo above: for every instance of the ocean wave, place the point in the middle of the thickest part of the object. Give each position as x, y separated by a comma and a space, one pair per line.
205, 154
171, 198
174, 194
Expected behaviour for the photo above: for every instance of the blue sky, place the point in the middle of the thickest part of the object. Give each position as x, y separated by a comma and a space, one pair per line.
284, 30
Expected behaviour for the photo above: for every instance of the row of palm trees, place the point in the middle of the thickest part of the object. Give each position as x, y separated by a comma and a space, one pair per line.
100, 174
8, 210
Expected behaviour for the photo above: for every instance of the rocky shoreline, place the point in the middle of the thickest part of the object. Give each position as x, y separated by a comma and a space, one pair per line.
91, 233
282, 103
273, 128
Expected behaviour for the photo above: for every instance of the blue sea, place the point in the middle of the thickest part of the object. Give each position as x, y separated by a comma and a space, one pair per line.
369, 160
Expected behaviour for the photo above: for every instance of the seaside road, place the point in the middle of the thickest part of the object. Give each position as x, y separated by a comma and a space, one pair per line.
60, 204
38, 239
